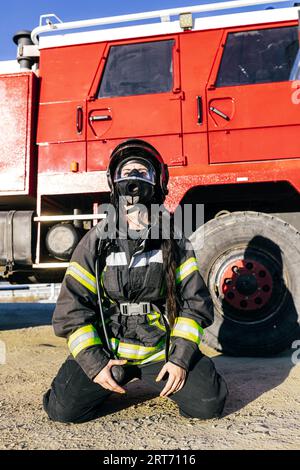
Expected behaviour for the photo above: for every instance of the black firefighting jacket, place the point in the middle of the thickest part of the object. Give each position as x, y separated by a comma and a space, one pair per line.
131, 271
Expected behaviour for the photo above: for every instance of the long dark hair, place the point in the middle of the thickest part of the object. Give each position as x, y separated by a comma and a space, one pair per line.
169, 252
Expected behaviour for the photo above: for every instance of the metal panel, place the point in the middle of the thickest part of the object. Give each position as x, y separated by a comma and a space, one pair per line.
16, 154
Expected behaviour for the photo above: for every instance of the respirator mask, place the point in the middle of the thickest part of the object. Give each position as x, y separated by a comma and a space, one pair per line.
135, 180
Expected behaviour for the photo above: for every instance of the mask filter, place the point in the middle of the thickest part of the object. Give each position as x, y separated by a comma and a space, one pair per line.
135, 180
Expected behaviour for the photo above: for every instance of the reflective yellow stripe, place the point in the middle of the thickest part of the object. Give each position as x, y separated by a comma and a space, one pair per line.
135, 353
128, 355
82, 276
85, 344
138, 352
79, 332
129, 351
114, 343
83, 338
186, 268
188, 329
191, 322
159, 356
84, 271
153, 320
154, 353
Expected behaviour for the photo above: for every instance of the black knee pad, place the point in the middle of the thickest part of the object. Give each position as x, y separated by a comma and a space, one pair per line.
206, 411
55, 411
208, 408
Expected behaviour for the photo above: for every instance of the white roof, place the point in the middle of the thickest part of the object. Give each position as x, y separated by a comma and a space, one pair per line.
9, 66
167, 27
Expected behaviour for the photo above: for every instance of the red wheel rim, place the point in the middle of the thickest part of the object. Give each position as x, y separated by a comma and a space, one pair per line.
246, 284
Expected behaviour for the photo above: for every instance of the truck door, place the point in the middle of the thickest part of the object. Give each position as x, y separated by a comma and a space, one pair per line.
136, 94
252, 116
66, 74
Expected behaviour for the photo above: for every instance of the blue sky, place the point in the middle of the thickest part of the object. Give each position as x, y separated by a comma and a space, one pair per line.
24, 14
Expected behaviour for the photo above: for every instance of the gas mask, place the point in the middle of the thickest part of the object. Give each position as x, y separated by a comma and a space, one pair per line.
135, 180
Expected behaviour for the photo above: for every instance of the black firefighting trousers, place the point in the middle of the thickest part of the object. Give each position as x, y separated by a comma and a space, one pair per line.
74, 398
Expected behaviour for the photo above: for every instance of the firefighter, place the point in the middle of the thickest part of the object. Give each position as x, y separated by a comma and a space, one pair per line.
154, 300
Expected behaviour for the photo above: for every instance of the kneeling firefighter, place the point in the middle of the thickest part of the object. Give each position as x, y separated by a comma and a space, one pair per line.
133, 305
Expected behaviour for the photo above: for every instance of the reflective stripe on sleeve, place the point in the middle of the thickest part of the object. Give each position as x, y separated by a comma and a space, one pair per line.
82, 339
82, 276
188, 329
186, 268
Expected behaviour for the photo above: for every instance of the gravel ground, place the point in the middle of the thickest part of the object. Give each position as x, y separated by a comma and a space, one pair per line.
262, 412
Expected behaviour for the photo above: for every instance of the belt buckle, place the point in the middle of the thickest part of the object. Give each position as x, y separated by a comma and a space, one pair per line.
134, 309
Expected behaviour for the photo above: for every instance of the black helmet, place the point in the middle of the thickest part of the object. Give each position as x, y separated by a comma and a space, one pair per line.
138, 149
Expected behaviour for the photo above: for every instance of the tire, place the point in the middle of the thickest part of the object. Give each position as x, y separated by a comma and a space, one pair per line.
250, 262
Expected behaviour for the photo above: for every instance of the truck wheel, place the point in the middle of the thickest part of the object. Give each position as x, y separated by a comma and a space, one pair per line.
250, 262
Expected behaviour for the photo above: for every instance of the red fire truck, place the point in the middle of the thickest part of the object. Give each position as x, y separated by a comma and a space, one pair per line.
217, 94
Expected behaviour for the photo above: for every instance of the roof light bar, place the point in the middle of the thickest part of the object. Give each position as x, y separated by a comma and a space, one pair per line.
159, 14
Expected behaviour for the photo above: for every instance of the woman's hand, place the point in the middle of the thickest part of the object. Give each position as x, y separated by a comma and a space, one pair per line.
176, 379
105, 379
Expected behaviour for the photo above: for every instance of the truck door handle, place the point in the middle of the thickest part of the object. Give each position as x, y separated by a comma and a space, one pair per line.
79, 119
100, 118
219, 113
199, 110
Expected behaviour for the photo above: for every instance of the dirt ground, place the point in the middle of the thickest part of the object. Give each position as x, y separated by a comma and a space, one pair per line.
262, 411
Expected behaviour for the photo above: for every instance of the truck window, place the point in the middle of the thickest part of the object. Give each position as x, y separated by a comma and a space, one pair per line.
138, 69
261, 56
